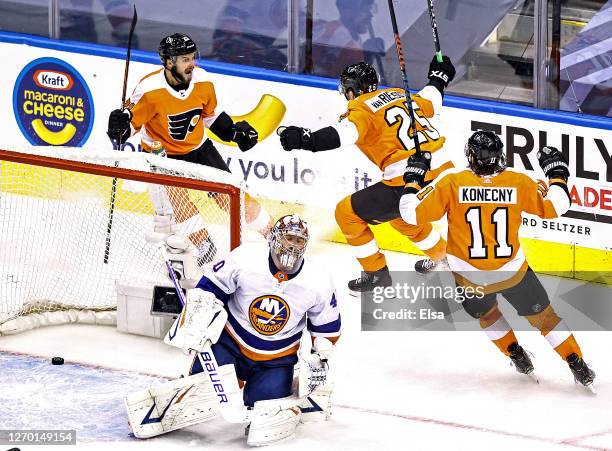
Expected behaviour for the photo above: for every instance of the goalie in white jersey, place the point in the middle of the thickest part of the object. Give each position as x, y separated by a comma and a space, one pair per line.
250, 310
270, 300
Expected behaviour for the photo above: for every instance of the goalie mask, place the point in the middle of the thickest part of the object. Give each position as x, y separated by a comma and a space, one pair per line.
485, 153
288, 239
359, 78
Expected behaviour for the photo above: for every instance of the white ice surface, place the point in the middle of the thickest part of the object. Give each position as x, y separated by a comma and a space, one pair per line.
395, 390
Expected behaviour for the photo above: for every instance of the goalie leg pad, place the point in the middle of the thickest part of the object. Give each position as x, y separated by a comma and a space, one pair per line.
317, 405
170, 406
160, 200
273, 421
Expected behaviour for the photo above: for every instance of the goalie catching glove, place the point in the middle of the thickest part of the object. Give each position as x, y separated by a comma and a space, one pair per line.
314, 368
200, 323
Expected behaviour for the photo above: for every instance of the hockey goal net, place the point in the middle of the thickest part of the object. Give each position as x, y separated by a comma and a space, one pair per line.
73, 223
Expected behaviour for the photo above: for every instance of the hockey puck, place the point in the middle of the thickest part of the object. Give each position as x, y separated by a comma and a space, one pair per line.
57, 361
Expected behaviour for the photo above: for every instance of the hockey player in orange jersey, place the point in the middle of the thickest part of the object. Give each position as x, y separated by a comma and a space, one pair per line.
483, 205
172, 106
377, 121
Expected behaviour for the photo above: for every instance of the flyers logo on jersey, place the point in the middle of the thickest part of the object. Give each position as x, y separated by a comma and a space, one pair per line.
180, 125
268, 314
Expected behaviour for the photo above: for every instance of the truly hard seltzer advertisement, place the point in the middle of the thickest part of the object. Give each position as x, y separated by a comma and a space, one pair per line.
442, 301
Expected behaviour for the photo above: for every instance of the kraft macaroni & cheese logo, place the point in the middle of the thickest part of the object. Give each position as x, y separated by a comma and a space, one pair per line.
53, 104
269, 314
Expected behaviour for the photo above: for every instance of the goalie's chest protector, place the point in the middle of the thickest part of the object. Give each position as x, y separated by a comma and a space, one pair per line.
267, 312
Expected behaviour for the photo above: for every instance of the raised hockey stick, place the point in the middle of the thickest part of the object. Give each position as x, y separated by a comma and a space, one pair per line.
117, 144
402, 64
434, 29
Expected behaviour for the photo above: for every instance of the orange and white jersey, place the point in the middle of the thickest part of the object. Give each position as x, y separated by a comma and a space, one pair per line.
379, 124
268, 312
174, 118
484, 217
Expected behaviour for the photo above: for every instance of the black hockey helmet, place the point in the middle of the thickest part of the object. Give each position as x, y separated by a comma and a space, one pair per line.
359, 78
485, 153
175, 45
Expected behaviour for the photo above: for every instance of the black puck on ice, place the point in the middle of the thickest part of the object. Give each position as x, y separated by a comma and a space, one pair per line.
57, 361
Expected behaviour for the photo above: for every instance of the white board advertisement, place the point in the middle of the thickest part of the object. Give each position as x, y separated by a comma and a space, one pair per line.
324, 178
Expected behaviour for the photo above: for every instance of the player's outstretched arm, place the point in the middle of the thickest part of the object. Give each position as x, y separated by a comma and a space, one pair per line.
555, 167
242, 133
302, 138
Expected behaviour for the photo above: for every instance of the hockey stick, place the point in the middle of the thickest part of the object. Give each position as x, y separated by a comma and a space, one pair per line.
208, 360
377, 58
309, 64
117, 144
434, 30
402, 64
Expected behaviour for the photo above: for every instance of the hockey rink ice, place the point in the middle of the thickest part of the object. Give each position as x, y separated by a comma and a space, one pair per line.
394, 390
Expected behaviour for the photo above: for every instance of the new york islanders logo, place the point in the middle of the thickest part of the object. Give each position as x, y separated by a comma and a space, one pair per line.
180, 125
268, 314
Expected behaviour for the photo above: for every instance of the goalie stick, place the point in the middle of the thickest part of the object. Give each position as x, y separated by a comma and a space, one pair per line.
208, 360
117, 144
402, 64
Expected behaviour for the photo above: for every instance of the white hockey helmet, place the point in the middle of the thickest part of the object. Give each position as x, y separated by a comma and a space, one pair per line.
288, 239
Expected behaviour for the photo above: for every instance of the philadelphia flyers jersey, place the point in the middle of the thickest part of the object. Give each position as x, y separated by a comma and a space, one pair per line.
484, 217
383, 124
176, 119
268, 310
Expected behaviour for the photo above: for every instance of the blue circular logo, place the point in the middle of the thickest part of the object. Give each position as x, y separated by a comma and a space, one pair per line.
269, 314
53, 104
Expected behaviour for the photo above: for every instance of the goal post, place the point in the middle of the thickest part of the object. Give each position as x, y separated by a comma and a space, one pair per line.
55, 262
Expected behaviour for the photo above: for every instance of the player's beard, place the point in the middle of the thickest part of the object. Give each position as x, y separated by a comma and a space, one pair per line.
182, 78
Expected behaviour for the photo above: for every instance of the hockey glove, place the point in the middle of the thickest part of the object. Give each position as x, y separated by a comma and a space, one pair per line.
119, 125
314, 368
295, 138
441, 74
245, 135
553, 163
416, 168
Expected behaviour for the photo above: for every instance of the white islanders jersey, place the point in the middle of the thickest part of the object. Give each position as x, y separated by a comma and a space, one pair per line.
267, 311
